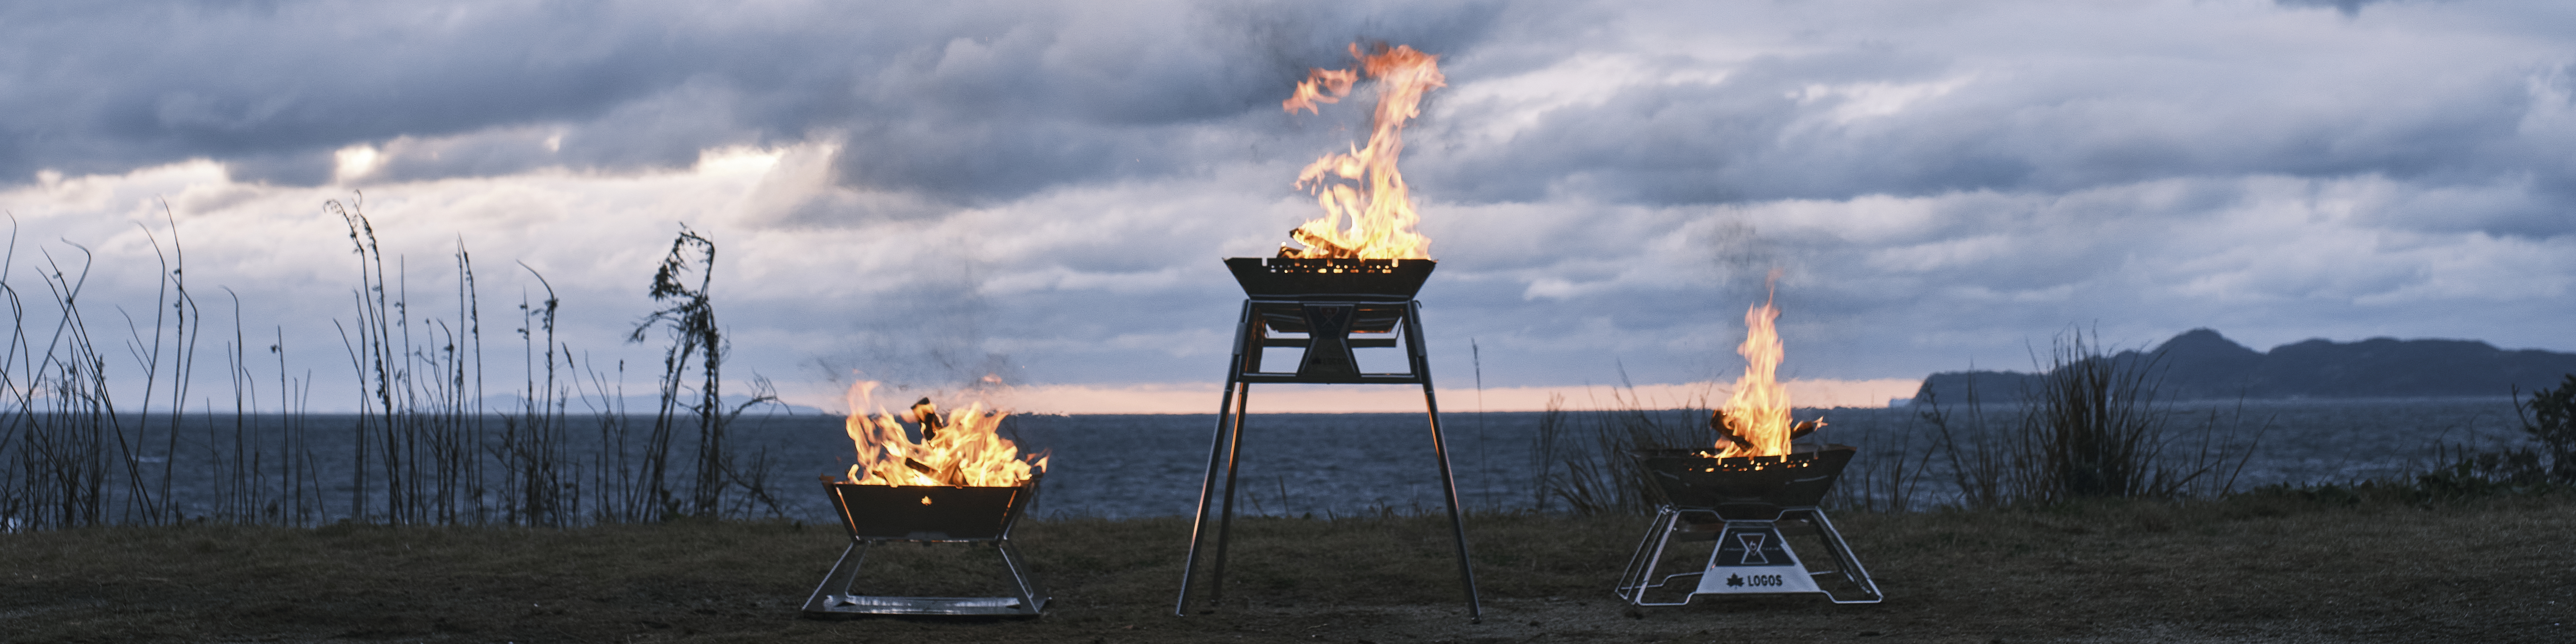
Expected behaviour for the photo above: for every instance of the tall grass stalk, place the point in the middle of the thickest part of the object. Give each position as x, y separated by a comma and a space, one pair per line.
541, 485
423, 449
2094, 426
695, 340
1888, 478
1584, 456
175, 312
420, 410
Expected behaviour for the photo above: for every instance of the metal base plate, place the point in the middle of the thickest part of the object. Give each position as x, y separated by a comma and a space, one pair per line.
1751, 557
874, 605
833, 597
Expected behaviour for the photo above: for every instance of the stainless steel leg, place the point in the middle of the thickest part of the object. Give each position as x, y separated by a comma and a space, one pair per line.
1207, 491
1457, 519
1225, 518
1033, 597
1421, 365
844, 572
1247, 338
1648, 555
1663, 536
1851, 568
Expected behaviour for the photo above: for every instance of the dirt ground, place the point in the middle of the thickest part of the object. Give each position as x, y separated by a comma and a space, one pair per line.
2247, 569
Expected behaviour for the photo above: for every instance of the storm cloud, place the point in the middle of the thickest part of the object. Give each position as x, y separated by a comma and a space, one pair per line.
1041, 190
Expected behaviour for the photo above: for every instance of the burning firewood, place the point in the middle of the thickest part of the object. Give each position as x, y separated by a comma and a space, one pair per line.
928, 415
1730, 437
1727, 439
960, 448
952, 474
1316, 246
1806, 427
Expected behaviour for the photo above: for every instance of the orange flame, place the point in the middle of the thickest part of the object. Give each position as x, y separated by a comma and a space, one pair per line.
1368, 215
1755, 420
959, 448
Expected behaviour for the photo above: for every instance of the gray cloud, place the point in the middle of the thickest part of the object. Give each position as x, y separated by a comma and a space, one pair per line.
1768, 132
2349, 8
1605, 185
963, 103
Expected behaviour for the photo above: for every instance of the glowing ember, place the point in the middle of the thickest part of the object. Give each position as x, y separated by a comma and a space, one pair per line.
1367, 213
959, 448
1755, 421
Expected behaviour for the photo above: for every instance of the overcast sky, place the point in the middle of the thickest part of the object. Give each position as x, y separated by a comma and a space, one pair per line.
929, 192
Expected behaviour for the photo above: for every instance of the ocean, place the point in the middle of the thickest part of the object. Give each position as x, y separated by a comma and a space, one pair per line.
1322, 465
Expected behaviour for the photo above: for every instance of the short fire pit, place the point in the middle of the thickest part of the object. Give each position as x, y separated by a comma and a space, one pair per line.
926, 514
1744, 504
1749, 491
958, 482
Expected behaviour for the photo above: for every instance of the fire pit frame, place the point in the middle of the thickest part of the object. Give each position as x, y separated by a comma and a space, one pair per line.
885, 513
1747, 499
1327, 300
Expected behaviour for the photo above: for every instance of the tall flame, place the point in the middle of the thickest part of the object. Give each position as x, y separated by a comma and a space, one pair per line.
959, 448
1755, 420
1369, 214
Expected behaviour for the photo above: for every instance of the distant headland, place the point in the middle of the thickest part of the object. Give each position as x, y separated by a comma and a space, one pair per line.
2200, 364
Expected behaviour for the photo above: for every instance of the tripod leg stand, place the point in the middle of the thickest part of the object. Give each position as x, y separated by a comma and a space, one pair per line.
1225, 447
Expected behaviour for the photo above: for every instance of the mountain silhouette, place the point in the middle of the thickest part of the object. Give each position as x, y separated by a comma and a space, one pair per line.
2200, 364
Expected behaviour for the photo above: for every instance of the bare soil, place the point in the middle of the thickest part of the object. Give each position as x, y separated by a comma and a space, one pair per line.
2254, 569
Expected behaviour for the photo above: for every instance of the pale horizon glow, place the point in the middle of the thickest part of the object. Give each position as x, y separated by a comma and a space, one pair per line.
1202, 398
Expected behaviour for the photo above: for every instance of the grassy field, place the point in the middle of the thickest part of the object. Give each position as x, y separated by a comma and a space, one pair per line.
2262, 567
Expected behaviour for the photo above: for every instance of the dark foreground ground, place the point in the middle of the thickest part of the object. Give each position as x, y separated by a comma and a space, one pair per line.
2279, 568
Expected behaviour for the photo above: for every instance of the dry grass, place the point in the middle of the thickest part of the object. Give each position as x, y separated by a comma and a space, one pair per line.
2270, 567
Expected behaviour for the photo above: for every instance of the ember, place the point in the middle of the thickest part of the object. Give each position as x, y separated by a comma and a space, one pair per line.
959, 448
1371, 215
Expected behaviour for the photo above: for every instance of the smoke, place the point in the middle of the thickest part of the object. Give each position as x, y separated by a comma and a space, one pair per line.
932, 337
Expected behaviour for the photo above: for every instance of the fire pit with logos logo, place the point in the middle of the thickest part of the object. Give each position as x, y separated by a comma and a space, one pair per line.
1748, 492
958, 482
1749, 506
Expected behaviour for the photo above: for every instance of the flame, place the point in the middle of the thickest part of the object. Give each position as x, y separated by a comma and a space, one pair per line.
1755, 420
959, 448
1369, 214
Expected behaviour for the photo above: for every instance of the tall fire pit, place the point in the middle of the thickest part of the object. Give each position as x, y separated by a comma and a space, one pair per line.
1348, 283
930, 478
1325, 308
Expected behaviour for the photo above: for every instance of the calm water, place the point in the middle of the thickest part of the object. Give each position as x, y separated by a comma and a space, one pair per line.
1340, 464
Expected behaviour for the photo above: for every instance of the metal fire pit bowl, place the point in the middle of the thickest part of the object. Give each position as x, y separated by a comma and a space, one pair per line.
1749, 506
1740, 486
877, 514
1285, 278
